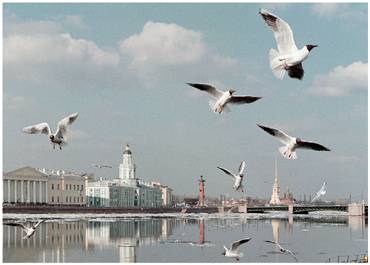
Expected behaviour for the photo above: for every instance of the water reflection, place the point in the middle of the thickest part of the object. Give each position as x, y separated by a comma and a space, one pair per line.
53, 239
119, 240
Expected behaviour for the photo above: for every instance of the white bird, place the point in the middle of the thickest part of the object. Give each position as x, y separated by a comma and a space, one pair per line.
233, 252
238, 178
101, 166
288, 57
320, 193
282, 250
28, 230
220, 99
60, 137
292, 143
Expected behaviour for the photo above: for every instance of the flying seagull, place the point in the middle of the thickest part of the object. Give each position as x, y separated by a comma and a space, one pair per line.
292, 143
233, 252
282, 250
238, 178
60, 137
28, 230
320, 193
288, 57
220, 99
101, 166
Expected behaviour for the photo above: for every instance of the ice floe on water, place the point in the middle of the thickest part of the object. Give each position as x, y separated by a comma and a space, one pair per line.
112, 217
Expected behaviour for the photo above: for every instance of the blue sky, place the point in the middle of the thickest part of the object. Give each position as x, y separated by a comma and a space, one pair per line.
124, 68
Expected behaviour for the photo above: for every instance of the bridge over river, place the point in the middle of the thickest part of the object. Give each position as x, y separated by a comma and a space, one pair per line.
356, 209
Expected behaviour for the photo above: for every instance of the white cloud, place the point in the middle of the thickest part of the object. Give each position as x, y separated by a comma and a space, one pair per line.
46, 48
164, 52
336, 10
161, 43
341, 80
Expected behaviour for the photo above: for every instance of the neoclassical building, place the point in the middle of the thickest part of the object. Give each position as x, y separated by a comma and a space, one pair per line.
28, 185
25, 185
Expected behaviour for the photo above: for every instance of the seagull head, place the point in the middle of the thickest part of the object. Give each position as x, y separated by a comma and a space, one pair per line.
231, 91
311, 46
298, 140
223, 253
51, 137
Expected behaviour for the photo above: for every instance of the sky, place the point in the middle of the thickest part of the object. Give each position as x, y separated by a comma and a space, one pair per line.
124, 68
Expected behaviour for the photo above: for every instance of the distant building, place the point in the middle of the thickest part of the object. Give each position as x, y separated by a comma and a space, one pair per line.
41, 186
127, 167
25, 185
125, 191
167, 194
66, 188
287, 198
275, 189
109, 194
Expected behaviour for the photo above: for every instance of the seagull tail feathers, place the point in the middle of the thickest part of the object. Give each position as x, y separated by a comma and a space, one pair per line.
212, 104
287, 153
277, 66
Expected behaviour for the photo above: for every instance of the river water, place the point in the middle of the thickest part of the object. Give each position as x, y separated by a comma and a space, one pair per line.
184, 237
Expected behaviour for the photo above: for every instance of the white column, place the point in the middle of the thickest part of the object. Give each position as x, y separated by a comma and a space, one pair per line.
46, 191
40, 189
9, 190
22, 191
28, 191
15, 191
34, 192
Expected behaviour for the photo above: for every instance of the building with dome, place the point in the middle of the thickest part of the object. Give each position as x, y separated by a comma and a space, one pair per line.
125, 191
127, 167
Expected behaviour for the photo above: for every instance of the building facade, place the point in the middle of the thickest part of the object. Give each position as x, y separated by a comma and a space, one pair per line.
66, 189
167, 194
29, 185
127, 190
109, 194
25, 185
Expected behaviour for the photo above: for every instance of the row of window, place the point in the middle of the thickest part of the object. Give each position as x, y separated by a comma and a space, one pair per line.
69, 187
69, 199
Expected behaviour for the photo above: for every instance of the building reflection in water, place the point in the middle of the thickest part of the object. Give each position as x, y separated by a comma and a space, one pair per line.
357, 224
53, 239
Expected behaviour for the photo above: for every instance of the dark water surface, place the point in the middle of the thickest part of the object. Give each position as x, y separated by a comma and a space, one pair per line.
186, 239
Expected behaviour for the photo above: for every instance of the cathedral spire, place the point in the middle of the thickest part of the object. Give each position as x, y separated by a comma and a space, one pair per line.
275, 187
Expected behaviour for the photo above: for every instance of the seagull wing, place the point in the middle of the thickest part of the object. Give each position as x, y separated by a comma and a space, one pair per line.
241, 167
292, 254
312, 146
282, 136
235, 245
38, 223
17, 224
275, 243
243, 99
38, 128
282, 32
226, 171
62, 125
208, 88
296, 71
